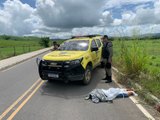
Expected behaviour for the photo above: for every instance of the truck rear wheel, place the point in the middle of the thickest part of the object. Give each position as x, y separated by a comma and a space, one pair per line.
87, 75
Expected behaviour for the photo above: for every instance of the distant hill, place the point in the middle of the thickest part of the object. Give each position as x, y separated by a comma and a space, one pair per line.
18, 38
151, 35
141, 37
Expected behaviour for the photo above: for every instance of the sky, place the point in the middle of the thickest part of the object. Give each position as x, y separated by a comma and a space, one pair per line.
64, 18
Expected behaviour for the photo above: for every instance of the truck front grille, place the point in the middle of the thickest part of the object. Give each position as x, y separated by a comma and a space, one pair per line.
53, 65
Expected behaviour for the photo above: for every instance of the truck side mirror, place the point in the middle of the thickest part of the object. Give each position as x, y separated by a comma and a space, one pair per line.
94, 49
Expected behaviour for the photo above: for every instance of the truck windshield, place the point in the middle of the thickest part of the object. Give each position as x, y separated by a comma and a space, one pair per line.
77, 45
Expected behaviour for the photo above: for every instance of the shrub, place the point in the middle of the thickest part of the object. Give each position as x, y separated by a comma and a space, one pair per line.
133, 58
6, 37
44, 42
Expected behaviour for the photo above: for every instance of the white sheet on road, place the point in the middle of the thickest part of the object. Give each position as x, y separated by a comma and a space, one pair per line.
104, 95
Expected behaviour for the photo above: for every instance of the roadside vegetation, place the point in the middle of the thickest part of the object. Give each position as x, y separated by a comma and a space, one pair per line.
139, 60
45, 42
13, 45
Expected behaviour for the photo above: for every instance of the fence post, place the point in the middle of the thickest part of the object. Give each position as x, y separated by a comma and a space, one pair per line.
0, 53
29, 48
23, 49
14, 51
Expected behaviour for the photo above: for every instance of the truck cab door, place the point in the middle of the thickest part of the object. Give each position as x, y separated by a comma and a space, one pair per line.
99, 52
94, 53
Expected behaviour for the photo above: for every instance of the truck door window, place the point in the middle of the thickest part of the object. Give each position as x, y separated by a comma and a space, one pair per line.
98, 43
93, 45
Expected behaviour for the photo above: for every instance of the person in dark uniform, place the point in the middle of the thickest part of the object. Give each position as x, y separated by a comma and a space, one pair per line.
107, 53
55, 45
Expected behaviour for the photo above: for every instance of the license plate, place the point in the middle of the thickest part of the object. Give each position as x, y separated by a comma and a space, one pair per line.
53, 75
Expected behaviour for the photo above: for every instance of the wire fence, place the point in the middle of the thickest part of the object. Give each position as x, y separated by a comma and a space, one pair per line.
6, 52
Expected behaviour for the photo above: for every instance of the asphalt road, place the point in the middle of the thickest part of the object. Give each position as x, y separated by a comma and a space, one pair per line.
57, 100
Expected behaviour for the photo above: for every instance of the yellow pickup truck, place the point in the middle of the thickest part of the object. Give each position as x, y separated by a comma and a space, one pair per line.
74, 60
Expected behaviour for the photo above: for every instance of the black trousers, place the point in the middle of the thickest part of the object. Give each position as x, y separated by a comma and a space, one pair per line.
108, 67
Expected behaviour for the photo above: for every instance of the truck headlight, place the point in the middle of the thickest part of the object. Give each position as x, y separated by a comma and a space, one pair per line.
78, 61
44, 63
74, 62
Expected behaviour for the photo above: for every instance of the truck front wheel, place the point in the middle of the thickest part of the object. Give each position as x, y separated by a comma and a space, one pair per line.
87, 75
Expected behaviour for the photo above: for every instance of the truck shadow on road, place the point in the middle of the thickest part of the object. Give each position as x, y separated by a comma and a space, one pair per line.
71, 89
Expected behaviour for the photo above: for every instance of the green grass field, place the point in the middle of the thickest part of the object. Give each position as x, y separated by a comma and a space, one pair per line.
18, 45
149, 49
6, 43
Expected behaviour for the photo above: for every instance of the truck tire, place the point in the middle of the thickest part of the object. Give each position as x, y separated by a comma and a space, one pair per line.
40, 69
50, 81
87, 75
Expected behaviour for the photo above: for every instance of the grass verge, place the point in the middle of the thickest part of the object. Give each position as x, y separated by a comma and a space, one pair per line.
12, 45
139, 60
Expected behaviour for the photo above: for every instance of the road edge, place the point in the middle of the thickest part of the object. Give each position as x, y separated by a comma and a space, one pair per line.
140, 107
33, 54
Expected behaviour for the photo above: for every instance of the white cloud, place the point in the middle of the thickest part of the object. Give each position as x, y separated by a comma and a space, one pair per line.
117, 22
157, 9
70, 13
120, 3
17, 18
141, 6
87, 31
128, 18
62, 35
155, 28
145, 16
142, 15
106, 18
47, 31
78, 17
45, 3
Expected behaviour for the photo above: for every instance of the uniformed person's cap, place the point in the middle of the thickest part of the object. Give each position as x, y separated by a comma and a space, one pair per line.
105, 36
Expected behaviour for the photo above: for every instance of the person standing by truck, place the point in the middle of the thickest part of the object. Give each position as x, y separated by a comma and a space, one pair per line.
55, 45
107, 53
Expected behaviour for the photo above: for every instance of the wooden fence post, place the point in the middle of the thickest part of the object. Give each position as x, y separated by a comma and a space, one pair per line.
23, 49
14, 51
29, 48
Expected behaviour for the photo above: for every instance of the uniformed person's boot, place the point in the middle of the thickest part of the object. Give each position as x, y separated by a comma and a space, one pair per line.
109, 80
106, 78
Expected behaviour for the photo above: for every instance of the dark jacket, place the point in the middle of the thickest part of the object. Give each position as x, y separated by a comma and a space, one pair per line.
106, 50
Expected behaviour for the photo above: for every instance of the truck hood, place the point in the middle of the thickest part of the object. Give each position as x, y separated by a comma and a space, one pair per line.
63, 55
